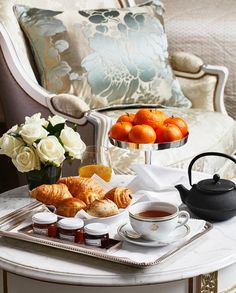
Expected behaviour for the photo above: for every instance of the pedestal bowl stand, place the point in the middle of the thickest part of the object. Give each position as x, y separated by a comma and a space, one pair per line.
148, 148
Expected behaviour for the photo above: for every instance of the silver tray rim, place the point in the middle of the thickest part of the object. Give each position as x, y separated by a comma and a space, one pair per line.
148, 146
15, 219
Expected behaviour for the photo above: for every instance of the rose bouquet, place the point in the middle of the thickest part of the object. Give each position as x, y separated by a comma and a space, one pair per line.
39, 143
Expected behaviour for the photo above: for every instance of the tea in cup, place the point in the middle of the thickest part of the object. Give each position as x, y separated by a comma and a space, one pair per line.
156, 220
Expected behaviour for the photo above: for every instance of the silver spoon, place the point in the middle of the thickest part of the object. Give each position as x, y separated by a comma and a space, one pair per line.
135, 235
132, 234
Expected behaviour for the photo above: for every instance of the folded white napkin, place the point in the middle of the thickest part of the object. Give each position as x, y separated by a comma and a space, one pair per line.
157, 178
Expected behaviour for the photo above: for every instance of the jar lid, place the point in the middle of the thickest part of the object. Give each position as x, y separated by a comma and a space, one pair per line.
71, 223
96, 229
44, 218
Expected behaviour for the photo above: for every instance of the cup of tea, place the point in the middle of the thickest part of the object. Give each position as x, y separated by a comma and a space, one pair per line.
155, 220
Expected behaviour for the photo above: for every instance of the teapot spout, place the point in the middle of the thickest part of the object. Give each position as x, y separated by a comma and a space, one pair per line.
183, 191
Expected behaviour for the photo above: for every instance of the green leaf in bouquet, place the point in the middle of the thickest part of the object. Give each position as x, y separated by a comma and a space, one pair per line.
75, 127
16, 135
55, 130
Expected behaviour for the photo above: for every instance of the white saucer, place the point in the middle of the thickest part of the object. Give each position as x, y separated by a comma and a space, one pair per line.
126, 232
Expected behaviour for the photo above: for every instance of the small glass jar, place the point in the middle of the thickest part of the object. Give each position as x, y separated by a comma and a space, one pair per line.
45, 224
71, 229
96, 234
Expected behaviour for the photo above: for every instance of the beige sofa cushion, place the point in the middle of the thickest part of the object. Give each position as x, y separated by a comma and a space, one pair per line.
106, 57
208, 131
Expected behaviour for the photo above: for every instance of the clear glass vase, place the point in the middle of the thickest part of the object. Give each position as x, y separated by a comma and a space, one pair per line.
47, 175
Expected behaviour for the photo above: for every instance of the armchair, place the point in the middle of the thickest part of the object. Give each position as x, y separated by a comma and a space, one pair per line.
21, 95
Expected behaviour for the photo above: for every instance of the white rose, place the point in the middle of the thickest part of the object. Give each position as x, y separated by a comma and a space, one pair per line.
49, 149
36, 118
9, 145
54, 120
32, 132
72, 142
26, 160
14, 129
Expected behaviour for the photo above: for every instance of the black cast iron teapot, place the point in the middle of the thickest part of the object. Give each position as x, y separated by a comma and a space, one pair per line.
211, 199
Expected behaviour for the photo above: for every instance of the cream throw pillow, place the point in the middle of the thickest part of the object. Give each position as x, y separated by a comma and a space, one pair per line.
106, 57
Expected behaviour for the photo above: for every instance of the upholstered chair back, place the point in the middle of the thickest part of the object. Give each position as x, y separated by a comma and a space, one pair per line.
9, 21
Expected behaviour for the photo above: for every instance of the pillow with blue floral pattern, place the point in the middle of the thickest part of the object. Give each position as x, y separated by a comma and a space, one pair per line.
106, 57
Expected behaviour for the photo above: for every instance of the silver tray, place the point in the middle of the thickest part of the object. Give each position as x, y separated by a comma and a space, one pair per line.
17, 225
148, 146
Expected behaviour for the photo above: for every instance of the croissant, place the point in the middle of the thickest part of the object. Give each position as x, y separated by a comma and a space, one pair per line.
70, 206
51, 194
78, 185
120, 195
103, 208
89, 197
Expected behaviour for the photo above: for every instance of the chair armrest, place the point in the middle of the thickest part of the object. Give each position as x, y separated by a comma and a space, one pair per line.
186, 62
203, 84
69, 105
221, 73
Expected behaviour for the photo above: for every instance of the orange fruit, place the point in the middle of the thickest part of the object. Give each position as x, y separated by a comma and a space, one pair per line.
168, 132
178, 121
142, 134
127, 117
151, 117
120, 130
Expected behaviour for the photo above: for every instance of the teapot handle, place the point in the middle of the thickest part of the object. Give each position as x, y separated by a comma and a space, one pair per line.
203, 155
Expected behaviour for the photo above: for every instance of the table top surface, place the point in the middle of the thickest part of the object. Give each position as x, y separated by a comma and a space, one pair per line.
215, 250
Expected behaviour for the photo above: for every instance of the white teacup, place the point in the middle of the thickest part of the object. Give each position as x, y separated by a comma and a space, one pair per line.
156, 220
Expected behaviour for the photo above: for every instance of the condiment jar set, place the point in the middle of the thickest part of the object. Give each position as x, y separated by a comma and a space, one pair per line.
71, 229
96, 234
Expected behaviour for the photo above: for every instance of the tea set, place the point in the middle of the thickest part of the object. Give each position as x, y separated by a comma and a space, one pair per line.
154, 223
157, 223
210, 199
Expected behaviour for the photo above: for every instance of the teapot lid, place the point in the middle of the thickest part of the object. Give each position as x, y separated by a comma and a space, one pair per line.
215, 185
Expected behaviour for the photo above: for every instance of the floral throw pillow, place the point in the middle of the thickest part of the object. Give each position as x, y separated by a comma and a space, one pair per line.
106, 57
